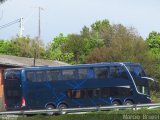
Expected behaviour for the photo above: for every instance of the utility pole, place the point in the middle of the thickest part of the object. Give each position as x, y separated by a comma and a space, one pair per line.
39, 34
21, 27
39, 21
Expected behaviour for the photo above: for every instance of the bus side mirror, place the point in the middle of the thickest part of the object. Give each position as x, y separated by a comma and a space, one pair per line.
148, 78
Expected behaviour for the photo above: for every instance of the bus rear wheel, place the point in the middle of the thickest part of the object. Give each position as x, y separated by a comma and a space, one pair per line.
128, 102
50, 107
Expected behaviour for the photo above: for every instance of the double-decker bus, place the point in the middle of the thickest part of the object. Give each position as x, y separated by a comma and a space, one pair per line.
86, 85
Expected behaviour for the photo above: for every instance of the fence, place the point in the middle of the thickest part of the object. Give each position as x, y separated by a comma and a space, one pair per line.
74, 110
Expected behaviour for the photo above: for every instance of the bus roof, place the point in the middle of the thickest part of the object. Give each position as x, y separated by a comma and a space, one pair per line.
75, 66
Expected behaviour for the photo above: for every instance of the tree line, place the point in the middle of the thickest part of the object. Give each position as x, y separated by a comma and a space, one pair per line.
100, 42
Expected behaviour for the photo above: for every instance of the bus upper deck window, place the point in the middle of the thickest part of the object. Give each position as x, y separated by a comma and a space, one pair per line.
53, 75
118, 72
90, 73
82, 73
40, 76
30, 76
136, 70
69, 74
101, 72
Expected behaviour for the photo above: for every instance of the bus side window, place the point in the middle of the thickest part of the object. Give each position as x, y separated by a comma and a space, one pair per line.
122, 73
40, 76
118, 72
93, 93
69, 74
30, 76
105, 92
97, 92
120, 91
49, 75
69, 93
101, 72
53, 75
82, 73
90, 73
113, 72
75, 94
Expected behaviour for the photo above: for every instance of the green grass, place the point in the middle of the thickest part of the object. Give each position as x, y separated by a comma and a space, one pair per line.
106, 115
155, 96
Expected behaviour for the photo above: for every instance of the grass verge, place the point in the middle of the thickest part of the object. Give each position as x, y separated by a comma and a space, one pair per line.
142, 114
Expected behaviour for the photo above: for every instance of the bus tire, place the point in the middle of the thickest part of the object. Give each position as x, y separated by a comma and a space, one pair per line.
61, 107
128, 102
115, 103
50, 107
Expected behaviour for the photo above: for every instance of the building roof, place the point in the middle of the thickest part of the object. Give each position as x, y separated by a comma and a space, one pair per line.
10, 60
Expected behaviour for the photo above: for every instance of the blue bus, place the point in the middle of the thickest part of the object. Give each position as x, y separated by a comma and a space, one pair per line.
86, 85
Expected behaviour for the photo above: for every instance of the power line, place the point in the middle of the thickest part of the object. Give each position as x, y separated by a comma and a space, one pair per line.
9, 24
14, 22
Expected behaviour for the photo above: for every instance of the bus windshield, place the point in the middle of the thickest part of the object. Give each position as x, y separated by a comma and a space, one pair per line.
136, 71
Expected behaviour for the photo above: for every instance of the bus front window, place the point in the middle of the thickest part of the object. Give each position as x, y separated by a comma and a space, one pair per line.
143, 89
136, 71
139, 78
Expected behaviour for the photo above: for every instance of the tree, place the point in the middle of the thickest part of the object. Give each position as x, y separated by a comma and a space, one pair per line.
101, 41
124, 45
5, 47
75, 45
23, 47
73, 48
153, 42
54, 50
102, 30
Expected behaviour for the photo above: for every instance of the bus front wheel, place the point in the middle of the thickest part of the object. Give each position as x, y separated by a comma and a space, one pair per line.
115, 103
128, 102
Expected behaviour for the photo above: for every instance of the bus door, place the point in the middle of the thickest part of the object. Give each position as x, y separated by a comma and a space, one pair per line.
12, 90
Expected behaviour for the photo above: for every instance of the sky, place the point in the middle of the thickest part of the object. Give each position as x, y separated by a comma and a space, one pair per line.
69, 16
